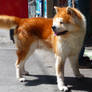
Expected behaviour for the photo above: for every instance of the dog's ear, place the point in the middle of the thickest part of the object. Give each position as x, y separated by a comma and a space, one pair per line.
70, 11
56, 9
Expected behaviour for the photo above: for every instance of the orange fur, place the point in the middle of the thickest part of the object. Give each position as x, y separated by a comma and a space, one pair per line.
30, 32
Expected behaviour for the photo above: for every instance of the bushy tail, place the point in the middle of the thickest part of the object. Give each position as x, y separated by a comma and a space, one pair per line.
9, 22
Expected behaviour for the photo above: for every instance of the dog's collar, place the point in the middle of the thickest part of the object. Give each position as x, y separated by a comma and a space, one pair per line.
61, 33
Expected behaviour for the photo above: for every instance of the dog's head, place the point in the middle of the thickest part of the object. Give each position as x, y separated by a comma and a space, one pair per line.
66, 20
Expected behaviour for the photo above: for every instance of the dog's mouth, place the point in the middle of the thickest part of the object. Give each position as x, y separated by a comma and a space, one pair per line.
60, 33
63, 32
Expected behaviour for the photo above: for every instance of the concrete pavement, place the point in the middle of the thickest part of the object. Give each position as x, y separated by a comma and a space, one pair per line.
42, 72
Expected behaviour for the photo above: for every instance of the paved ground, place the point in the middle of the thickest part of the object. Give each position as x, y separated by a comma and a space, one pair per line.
42, 71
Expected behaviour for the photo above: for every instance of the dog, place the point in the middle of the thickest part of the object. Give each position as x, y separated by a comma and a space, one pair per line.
64, 35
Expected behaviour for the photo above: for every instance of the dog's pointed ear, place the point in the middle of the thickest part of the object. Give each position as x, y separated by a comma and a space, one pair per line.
56, 9
70, 11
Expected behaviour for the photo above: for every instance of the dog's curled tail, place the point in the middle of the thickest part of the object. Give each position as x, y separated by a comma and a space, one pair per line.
9, 22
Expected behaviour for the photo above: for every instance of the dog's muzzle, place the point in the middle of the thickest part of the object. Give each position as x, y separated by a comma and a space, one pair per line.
54, 28
58, 33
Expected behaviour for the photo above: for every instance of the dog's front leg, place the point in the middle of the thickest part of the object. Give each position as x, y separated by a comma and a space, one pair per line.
75, 66
60, 73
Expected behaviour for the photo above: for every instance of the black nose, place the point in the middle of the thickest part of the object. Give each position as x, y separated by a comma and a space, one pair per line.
53, 27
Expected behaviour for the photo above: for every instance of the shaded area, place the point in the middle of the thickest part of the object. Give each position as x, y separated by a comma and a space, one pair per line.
84, 84
41, 79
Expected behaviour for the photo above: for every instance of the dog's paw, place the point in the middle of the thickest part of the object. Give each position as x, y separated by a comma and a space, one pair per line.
22, 79
63, 88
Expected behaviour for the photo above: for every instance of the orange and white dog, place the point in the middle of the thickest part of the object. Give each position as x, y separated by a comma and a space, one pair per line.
64, 35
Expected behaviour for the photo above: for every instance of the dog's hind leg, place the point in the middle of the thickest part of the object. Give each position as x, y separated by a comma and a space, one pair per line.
23, 55
20, 64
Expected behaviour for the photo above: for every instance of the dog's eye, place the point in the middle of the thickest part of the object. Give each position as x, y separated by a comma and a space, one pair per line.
61, 22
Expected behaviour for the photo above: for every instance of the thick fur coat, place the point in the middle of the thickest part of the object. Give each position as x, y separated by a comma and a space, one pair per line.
64, 35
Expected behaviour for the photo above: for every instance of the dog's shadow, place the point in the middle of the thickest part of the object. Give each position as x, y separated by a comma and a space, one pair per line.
41, 79
84, 84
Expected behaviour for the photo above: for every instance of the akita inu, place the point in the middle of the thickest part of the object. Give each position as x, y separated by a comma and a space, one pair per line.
64, 34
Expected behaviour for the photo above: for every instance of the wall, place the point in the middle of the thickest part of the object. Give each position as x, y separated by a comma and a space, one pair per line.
14, 7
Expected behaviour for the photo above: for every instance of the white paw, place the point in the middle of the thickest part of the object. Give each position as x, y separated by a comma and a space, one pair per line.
22, 79
63, 88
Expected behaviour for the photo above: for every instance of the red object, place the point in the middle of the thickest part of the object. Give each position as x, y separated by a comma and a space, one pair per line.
17, 8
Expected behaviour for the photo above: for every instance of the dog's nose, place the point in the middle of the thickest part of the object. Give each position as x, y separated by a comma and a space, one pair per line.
53, 27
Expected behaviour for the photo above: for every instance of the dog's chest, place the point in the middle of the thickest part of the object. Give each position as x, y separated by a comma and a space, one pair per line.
70, 45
